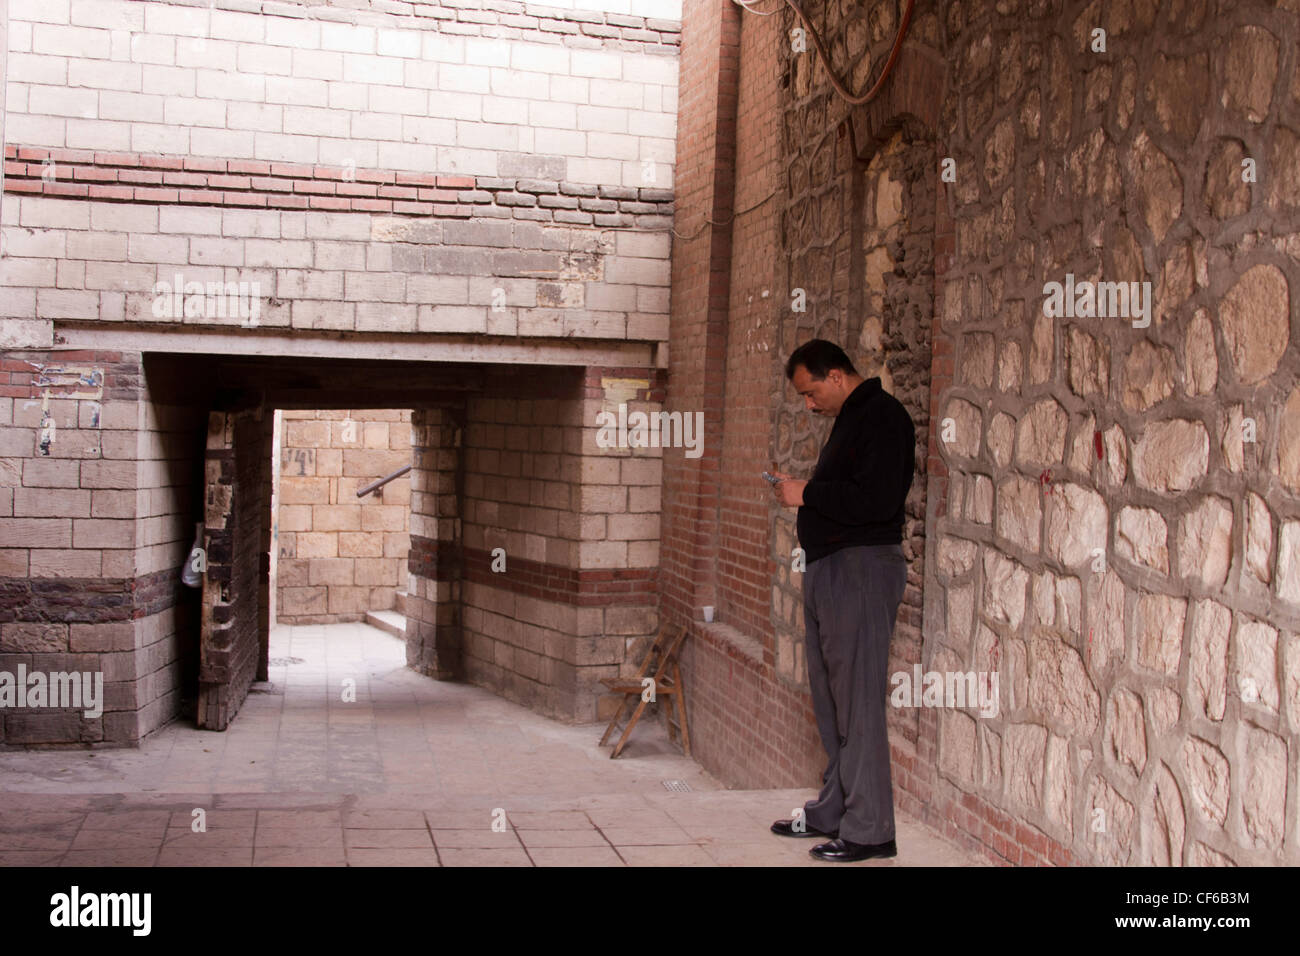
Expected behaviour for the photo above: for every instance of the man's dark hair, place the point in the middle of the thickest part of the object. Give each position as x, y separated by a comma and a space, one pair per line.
819, 356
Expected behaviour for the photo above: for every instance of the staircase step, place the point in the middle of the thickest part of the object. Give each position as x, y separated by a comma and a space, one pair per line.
399, 604
390, 621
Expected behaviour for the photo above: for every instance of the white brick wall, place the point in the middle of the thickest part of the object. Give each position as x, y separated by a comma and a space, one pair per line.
667, 9
155, 77
188, 80
88, 260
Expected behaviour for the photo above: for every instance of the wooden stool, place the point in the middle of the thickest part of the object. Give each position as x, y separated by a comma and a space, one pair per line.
666, 680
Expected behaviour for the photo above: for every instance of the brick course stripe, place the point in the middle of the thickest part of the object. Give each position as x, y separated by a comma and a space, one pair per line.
88, 600
185, 181
438, 561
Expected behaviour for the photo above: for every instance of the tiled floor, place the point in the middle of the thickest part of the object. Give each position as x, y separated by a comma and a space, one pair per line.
413, 772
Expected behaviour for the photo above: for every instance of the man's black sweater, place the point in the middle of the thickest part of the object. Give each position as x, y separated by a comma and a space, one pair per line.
857, 492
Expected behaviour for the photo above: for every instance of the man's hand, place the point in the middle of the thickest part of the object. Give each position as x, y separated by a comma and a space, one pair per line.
789, 491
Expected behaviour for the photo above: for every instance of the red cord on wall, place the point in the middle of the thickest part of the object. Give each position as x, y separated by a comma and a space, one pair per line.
826, 61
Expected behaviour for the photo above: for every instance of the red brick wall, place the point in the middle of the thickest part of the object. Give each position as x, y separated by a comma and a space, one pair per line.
701, 264
750, 710
750, 728
757, 297
750, 725
257, 184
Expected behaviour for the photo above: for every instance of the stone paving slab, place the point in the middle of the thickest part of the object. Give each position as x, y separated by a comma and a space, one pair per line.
415, 773
620, 830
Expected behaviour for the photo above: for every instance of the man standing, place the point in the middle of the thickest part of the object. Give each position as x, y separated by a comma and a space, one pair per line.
850, 527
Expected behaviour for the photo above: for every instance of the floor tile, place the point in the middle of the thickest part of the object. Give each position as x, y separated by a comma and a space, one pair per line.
384, 820
575, 856
665, 856
205, 857
298, 856
370, 838
115, 858
216, 838
118, 839
289, 819
127, 820
298, 837
30, 857
45, 839
562, 838
301, 778
646, 836
482, 838
484, 857
392, 857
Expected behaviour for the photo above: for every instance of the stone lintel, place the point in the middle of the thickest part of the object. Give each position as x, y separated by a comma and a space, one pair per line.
406, 347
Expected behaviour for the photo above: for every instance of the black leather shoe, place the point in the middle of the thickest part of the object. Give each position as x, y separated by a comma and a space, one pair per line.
786, 828
845, 851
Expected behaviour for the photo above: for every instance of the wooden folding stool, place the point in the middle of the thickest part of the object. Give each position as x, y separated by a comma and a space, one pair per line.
667, 679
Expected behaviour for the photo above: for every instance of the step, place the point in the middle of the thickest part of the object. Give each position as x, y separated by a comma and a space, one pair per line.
399, 603
390, 621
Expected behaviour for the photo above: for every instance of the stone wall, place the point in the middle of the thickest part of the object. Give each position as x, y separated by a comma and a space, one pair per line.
534, 548
61, 611
418, 86
478, 183
434, 622
829, 240
172, 422
860, 243
1118, 541
1110, 506
416, 170
99, 453
339, 555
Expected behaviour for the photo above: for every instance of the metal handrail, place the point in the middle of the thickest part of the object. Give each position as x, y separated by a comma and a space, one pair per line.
376, 485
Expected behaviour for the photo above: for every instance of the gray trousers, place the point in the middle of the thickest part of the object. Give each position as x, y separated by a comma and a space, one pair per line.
850, 600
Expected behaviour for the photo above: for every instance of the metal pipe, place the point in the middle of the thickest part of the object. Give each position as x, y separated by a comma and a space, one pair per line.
376, 485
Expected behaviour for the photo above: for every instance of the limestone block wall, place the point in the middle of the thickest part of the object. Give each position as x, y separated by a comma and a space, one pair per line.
332, 271
423, 170
172, 414
570, 595
340, 556
435, 562
99, 458
417, 86
57, 462
533, 547
476, 174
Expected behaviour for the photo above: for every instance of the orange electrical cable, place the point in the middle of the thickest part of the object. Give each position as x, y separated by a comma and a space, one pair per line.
835, 83
826, 60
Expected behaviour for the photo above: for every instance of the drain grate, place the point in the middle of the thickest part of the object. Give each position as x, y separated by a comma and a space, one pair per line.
282, 661
676, 786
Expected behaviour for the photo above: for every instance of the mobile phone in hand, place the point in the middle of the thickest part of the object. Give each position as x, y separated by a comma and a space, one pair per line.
772, 479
